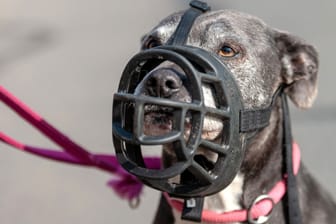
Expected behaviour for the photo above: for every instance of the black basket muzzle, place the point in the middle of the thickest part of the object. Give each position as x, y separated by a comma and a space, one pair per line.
200, 67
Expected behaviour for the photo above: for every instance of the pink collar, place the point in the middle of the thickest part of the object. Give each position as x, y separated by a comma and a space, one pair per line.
261, 207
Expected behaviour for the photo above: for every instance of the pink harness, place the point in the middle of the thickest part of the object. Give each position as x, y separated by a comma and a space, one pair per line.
126, 185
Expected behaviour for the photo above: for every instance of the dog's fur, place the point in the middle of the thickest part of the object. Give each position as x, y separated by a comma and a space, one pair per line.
264, 59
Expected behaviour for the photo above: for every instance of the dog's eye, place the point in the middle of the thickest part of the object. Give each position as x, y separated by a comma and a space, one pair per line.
151, 43
227, 51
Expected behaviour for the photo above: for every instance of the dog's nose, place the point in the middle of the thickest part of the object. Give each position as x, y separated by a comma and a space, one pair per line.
163, 83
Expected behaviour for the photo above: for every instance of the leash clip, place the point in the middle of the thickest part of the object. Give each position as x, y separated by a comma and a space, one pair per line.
263, 218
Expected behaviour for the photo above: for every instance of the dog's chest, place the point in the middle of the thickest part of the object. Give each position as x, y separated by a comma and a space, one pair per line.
226, 200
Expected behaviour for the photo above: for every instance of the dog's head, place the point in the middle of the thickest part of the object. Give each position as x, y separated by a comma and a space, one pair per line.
260, 58
254, 60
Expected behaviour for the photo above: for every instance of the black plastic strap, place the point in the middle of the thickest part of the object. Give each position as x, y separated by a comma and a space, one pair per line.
294, 213
252, 120
192, 209
181, 33
255, 119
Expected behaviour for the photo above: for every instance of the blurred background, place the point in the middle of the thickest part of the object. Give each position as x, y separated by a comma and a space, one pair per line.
64, 59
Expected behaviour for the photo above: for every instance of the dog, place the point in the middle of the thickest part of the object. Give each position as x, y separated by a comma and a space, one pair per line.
261, 58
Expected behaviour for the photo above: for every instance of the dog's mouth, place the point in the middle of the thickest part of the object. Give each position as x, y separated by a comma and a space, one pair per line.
159, 120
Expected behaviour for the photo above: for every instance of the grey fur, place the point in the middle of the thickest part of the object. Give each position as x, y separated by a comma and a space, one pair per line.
267, 58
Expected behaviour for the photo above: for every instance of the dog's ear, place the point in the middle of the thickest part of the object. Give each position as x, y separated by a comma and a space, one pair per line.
299, 68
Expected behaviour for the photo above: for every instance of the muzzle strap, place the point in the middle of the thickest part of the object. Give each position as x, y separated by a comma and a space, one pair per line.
255, 119
293, 207
181, 34
252, 120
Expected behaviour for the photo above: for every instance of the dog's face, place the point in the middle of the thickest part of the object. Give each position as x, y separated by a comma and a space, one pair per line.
259, 57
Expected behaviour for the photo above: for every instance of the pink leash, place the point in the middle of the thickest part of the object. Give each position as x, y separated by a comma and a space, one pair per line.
126, 186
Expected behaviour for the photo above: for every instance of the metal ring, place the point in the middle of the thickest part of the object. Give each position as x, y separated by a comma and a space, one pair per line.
134, 202
263, 218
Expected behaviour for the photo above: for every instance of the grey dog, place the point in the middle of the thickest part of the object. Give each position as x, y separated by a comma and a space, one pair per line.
261, 59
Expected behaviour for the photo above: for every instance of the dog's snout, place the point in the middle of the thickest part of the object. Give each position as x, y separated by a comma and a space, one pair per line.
163, 83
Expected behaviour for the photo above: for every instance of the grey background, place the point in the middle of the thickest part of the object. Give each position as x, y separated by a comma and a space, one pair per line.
64, 59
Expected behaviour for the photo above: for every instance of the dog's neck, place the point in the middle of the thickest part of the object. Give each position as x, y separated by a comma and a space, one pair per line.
261, 169
263, 162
